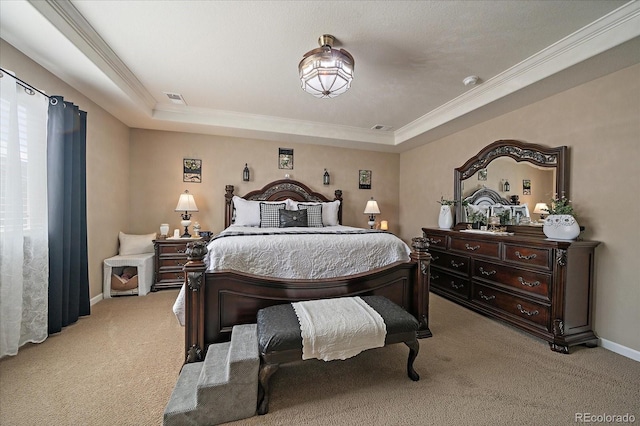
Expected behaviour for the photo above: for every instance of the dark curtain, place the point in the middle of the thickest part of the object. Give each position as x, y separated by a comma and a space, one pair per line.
66, 195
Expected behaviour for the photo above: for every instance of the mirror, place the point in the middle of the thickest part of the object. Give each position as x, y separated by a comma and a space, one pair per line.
507, 168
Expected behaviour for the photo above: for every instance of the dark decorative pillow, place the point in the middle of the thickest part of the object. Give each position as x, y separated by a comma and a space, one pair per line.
314, 214
269, 217
289, 218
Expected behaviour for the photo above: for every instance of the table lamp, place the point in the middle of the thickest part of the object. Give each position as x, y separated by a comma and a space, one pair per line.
186, 204
372, 209
541, 209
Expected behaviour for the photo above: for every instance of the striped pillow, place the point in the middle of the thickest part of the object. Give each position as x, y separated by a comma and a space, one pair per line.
314, 214
270, 215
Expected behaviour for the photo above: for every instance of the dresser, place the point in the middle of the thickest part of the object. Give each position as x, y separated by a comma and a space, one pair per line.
169, 259
541, 286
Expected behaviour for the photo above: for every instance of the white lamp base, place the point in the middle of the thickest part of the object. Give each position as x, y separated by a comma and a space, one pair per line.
186, 224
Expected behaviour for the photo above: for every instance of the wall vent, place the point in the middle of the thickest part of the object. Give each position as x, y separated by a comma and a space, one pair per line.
175, 98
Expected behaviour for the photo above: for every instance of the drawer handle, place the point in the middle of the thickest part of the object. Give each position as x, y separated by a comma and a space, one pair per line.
179, 263
180, 277
482, 271
457, 287
457, 265
181, 250
434, 258
432, 241
524, 311
434, 277
472, 248
528, 284
529, 257
486, 297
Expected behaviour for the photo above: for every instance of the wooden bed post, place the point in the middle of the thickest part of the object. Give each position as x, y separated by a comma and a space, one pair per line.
421, 256
194, 301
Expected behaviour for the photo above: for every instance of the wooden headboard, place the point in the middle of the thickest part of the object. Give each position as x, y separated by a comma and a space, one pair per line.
279, 190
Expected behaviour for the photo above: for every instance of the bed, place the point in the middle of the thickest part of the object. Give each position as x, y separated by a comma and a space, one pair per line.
217, 297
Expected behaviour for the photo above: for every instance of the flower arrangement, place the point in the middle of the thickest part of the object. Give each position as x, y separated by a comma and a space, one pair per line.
445, 202
561, 206
477, 217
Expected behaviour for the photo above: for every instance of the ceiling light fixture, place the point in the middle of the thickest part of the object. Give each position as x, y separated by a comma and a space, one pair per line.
472, 80
326, 72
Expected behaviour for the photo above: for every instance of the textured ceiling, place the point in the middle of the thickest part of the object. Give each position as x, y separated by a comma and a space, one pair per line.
235, 62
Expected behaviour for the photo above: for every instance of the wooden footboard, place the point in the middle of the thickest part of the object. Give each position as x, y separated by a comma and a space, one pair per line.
215, 302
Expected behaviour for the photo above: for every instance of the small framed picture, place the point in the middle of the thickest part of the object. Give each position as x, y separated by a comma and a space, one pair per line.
285, 158
364, 179
191, 170
482, 174
526, 187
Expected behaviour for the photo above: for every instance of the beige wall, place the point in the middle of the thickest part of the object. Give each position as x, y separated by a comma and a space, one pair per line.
599, 122
107, 163
156, 176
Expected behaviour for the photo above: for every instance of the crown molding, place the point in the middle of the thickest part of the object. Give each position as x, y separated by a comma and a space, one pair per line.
613, 29
67, 19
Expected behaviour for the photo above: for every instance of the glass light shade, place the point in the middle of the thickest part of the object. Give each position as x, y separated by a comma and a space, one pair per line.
371, 207
186, 203
326, 72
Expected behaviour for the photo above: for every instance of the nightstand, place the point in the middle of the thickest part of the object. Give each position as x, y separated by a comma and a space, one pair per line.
169, 259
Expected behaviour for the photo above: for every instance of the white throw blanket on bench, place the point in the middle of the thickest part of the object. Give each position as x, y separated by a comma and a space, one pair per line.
338, 328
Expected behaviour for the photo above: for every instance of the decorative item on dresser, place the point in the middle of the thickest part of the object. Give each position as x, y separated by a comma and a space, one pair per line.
516, 275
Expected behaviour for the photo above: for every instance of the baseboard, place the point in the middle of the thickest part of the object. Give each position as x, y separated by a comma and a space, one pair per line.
96, 299
619, 349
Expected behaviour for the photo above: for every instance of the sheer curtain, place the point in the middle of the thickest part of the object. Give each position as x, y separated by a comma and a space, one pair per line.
24, 258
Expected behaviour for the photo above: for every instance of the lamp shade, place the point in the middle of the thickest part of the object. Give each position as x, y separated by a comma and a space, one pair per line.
186, 203
326, 72
541, 208
371, 207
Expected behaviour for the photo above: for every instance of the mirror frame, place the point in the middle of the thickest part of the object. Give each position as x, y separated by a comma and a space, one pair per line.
542, 156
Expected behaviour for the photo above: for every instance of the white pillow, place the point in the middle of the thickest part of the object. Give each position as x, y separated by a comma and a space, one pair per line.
135, 244
329, 211
247, 213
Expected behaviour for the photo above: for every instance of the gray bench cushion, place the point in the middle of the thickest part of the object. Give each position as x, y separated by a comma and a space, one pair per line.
279, 329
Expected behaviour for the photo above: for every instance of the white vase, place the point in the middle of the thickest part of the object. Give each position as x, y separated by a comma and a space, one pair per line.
561, 227
445, 221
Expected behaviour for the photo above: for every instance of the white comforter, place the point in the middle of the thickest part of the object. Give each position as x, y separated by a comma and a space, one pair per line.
301, 253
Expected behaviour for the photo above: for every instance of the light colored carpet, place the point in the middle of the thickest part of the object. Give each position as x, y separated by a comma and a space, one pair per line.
118, 367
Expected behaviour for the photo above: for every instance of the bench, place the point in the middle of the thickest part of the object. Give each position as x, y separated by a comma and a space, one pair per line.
280, 339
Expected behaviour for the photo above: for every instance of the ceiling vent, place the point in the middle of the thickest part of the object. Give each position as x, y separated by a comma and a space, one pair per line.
381, 127
175, 98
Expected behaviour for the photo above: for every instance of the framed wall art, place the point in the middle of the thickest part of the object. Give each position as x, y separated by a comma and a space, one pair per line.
364, 179
191, 170
526, 187
285, 158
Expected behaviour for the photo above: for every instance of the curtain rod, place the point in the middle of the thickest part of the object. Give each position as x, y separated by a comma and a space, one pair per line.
24, 83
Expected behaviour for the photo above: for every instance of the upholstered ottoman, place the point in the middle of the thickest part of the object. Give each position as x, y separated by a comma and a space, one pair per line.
280, 339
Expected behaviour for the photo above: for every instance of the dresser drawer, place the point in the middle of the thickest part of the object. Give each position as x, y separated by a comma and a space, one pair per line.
535, 283
172, 249
521, 308
175, 263
476, 248
439, 241
453, 262
450, 283
529, 256
175, 276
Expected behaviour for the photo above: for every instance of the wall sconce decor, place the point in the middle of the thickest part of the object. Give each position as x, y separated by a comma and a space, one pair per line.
245, 173
186, 204
325, 178
506, 187
372, 209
